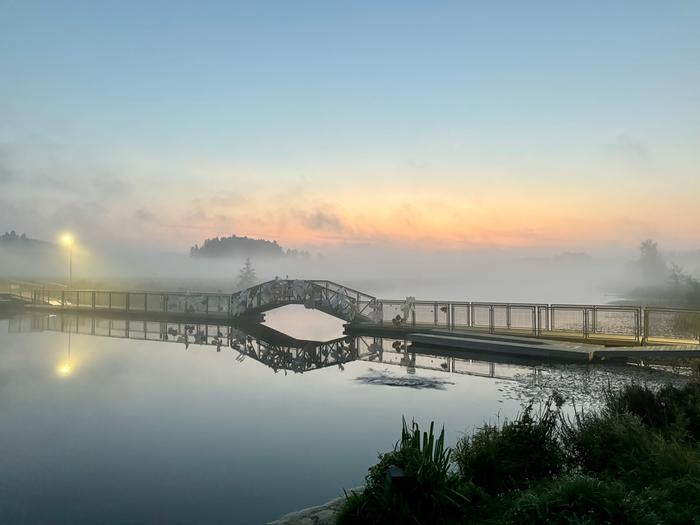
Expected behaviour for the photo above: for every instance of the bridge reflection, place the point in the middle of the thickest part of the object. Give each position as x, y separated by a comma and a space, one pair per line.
276, 350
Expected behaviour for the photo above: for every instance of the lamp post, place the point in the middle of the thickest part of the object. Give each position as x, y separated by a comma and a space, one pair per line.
68, 241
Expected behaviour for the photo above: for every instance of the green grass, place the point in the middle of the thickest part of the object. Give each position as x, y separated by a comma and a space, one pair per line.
635, 461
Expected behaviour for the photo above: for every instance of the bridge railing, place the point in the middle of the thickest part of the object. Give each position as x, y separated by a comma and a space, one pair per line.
134, 301
327, 296
626, 324
664, 325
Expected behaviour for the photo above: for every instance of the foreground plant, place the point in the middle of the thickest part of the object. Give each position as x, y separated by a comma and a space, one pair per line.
415, 483
516, 454
636, 461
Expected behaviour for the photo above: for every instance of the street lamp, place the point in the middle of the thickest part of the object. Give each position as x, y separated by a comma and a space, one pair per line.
68, 240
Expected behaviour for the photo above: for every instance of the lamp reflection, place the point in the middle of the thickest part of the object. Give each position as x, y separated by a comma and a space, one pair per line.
65, 368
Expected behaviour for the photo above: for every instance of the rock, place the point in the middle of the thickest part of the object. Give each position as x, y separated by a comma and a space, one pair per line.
320, 515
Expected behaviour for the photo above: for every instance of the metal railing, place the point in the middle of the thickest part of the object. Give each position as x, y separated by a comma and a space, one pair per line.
597, 323
134, 301
327, 296
330, 297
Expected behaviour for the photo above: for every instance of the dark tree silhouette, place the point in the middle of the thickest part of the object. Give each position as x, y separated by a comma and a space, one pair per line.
651, 263
235, 246
246, 276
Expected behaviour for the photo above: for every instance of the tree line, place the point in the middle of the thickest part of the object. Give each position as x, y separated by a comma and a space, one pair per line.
236, 246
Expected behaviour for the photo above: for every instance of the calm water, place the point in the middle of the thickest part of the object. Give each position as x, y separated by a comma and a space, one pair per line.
114, 430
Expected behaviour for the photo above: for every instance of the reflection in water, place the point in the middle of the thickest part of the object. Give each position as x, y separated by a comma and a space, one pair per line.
65, 368
584, 383
274, 349
386, 378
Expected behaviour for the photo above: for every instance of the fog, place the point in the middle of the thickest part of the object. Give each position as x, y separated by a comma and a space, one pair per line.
504, 275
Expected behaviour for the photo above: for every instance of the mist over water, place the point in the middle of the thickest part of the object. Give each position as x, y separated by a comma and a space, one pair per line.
479, 275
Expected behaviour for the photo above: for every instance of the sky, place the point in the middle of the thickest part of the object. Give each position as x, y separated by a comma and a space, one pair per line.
428, 125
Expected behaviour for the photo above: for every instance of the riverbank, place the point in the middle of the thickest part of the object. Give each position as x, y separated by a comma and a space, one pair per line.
635, 460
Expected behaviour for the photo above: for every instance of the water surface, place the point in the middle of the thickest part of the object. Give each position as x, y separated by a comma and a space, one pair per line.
97, 429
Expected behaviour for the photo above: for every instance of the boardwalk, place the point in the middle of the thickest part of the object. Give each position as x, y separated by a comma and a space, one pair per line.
596, 324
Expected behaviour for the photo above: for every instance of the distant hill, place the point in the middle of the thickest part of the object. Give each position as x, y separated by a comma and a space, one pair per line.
11, 240
235, 246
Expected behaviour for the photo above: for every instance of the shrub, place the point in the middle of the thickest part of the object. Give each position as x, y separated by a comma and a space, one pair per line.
670, 410
578, 500
676, 502
515, 455
609, 444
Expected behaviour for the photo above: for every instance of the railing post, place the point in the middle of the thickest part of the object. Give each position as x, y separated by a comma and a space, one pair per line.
508, 316
127, 303
492, 323
551, 319
435, 310
645, 326
595, 320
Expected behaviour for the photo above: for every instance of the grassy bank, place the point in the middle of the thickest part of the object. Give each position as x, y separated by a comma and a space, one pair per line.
634, 461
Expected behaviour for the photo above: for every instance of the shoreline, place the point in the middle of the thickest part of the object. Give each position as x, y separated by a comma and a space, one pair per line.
323, 514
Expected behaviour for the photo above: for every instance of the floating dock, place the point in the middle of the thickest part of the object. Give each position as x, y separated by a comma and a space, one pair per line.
532, 348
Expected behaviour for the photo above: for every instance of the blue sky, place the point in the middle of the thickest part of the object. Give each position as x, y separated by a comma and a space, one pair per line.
135, 110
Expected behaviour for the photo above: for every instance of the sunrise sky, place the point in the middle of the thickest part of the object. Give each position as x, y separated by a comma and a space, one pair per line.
432, 124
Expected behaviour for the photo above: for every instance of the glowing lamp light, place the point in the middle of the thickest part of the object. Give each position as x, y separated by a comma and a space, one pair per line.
67, 239
65, 369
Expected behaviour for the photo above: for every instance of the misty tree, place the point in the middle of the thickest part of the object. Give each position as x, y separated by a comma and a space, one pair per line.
651, 263
246, 276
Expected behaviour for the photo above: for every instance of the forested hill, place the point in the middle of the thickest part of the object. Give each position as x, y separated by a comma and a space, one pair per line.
11, 240
235, 246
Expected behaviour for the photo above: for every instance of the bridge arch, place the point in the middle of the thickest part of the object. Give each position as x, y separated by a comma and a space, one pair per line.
329, 297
